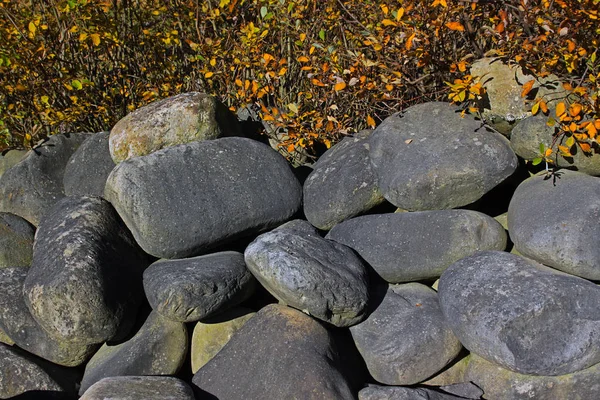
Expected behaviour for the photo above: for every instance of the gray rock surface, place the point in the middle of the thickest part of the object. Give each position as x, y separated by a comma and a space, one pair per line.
184, 200
342, 184
190, 289
293, 354
139, 387
21, 372
323, 278
429, 158
375, 392
527, 135
158, 348
16, 241
500, 383
88, 168
31, 187
11, 158
18, 324
522, 315
561, 227
411, 246
405, 340
175, 120
85, 282
212, 334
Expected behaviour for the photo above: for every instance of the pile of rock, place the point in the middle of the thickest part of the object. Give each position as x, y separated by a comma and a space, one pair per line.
115, 247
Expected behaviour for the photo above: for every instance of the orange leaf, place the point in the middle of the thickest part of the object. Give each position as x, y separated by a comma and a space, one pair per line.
500, 27
561, 109
302, 59
339, 86
455, 26
575, 109
544, 107
388, 22
370, 121
592, 131
409, 41
290, 148
585, 147
527, 86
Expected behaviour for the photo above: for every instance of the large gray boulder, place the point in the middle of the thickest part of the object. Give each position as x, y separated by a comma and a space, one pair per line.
212, 334
411, 246
342, 184
16, 241
183, 200
522, 315
10, 158
376, 392
323, 278
18, 324
280, 353
500, 383
429, 158
85, 282
556, 221
139, 387
158, 348
20, 373
88, 168
191, 289
175, 120
405, 340
31, 187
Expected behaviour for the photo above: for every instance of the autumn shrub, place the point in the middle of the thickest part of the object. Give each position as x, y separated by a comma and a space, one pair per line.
315, 70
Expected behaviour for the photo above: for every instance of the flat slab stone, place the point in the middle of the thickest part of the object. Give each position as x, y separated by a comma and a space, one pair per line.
412, 246
293, 354
342, 184
522, 315
18, 324
88, 168
561, 227
184, 200
405, 340
190, 289
323, 278
85, 281
158, 348
168, 122
429, 158
16, 241
139, 387
31, 187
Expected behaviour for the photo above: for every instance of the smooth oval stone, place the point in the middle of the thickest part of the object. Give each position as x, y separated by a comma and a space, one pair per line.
183, 200
293, 355
190, 289
212, 334
16, 321
412, 246
31, 187
342, 184
88, 168
561, 227
168, 122
22, 375
158, 348
429, 158
85, 281
139, 387
16, 241
521, 315
501, 383
405, 340
323, 278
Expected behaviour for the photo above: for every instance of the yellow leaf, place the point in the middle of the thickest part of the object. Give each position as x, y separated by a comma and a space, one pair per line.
548, 152
561, 109
302, 59
370, 121
385, 9
44, 99
388, 22
82, 37
535, 108
302, 37
564, 151
455, 26
339, 86
208, 74
32, 28
293, 108
95, 39
327, 143
213, 62
400, 14
28, 137
527, 86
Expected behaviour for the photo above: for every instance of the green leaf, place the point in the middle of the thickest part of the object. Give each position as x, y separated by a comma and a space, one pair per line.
542, 148
76, 84
322, 34
536, 161
570, 141
263, 11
